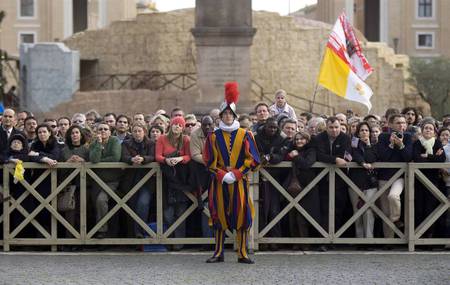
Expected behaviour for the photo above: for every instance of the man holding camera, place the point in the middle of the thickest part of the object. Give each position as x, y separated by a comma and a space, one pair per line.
393, 146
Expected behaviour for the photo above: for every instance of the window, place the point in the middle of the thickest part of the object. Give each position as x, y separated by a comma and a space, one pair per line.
425, 40
26, 38
27, 8
425, 9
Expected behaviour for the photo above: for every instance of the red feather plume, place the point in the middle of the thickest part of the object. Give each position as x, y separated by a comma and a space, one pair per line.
231, 92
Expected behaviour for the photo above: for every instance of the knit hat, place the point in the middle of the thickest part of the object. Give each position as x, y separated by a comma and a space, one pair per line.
178, 121
231, 98
19, 137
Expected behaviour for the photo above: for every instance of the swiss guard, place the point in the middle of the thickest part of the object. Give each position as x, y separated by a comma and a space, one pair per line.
230, 153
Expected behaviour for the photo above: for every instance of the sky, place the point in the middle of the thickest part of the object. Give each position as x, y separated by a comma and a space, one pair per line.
280, 6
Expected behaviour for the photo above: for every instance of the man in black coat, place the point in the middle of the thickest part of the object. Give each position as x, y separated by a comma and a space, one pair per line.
270, 143
393, 146
7, 129
333, 146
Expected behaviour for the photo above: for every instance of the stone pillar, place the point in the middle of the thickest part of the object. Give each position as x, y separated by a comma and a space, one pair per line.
349, 10
384, 21
68, 18
223, 35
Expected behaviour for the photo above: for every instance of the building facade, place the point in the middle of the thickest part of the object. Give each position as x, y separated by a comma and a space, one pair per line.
30, 21
418, 28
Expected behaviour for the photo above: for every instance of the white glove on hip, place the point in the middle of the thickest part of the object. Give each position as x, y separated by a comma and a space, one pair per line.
229, 178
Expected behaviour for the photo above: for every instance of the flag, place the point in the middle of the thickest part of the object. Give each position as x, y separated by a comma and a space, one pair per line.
2, 108
344, 67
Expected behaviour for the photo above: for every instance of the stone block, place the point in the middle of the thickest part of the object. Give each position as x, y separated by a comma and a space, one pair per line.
50, 74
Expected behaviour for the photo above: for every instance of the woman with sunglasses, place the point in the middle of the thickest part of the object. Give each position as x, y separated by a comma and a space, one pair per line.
191, 124
105, 148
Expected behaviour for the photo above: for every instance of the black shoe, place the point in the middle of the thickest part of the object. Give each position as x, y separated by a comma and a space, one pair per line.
177, 247
273, 247
322, 248
102, 247
263, 247
245, 260
215, 259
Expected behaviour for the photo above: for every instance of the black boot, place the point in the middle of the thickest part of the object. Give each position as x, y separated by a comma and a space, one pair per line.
215, 259
245, 260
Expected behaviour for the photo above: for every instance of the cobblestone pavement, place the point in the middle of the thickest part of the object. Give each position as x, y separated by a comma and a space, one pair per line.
189, 268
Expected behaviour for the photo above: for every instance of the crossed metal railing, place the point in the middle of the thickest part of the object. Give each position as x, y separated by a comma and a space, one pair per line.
85, 234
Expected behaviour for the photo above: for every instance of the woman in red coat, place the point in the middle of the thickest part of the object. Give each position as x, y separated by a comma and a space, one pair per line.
172, 152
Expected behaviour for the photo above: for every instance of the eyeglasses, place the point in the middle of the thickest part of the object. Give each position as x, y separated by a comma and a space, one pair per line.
103, 129
77, 121
190, 125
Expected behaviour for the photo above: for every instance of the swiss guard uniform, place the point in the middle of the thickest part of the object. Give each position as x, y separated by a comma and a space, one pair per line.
230, 152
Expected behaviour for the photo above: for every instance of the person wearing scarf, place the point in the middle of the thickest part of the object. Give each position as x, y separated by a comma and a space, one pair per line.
230, 153
427, 149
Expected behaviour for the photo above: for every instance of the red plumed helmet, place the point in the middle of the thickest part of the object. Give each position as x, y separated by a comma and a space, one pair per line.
231, 92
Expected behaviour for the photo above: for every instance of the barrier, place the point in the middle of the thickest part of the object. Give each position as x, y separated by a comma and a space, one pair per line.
85, 173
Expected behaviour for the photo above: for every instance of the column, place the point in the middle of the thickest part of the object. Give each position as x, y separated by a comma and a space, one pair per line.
68, 18
102, 14
349, 8
223, 35
384, 21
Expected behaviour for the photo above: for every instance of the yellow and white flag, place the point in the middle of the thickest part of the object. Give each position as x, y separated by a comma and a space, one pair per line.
344, 68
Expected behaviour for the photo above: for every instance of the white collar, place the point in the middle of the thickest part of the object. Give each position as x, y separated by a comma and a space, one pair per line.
231, 128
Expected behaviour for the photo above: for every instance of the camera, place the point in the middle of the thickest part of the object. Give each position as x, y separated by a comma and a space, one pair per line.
398, 135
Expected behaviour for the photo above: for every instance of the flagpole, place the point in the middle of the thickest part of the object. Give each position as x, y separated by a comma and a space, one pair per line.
322, 53
314, 98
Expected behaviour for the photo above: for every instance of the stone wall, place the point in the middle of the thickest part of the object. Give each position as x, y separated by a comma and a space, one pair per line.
286, 53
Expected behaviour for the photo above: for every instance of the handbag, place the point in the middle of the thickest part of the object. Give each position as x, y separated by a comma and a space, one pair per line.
66, 199
294, 188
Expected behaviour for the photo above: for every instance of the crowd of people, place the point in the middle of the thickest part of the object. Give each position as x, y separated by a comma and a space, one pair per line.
177, 142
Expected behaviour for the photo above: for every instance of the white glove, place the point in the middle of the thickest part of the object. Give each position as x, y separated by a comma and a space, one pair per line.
229, 178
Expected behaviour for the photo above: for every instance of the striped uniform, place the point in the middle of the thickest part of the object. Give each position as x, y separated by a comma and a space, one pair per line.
229, 204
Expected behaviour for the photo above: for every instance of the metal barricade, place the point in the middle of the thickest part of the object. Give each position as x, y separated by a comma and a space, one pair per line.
84, 235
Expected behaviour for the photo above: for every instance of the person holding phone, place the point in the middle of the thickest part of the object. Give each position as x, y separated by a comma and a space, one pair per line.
393, 146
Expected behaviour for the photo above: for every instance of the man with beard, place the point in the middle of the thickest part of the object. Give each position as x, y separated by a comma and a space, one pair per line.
30, 124
270, 143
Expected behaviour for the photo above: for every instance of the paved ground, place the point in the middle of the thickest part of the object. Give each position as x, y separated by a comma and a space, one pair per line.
189, 268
